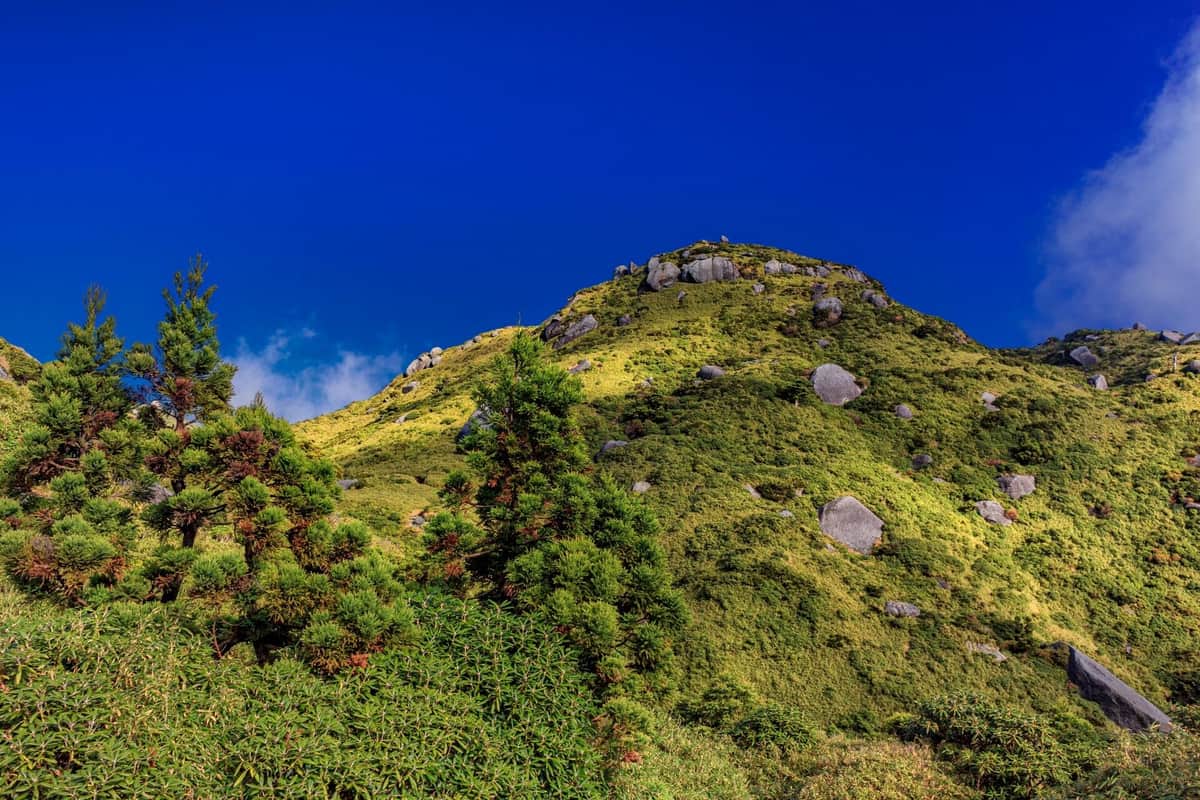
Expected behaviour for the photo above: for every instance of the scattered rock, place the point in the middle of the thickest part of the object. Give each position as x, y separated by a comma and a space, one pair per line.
437, 351
641, 487
679, 297
1150, 376
776, 267
1017, 486
758, 288
410, 386
753, 492
1098, 382
1191, 338
712, 268
624, 320
620, 271
583, 326
348, 483
612, 444
897, 608
582, 366
660, 275
478, 420
827, 311
834, 385
400, 420
993, 512
4, 376
984, 649
1174, 337
418, 521
904, 412
786, 514
875, 298
1119, 702
1137, 326
922, 461
823, 343
1085, 357
989, 401
851, 523
709, 372
856, 275
1192, 366
424, 361
724, 238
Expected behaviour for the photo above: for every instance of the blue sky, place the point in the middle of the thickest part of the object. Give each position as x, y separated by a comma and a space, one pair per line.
368, 181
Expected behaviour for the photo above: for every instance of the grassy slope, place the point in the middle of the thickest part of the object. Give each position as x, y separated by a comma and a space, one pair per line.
774, 604
14, 396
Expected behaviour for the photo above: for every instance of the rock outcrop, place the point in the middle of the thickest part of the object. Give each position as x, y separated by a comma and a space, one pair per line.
563, 336
712, 268
993, 512
1098, 382
851, 523
660, 275
1119, 702
1085, 358
897, 608
834, 385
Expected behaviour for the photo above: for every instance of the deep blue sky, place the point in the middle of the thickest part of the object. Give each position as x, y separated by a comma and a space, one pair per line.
394, 177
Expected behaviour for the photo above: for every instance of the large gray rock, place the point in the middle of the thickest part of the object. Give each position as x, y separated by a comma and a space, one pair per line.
713, 268
582, 366
1017, 486
612, 444
989, 401
922, 461
553, 328
479, 420
4, 376
709, 371
855, 274
827, 311
993, 512
641, 487
574, 331
834, 385
758, 288
660, 274
624, 320
620, 271
875, 298
424, 361
410, 386
776, 267
989, 650
1119, 702
1085, 357
851, 523
1191, 338
1192, 366
1139, 326
348, 483
897, 608
903, 411
1174, 337
1098, 382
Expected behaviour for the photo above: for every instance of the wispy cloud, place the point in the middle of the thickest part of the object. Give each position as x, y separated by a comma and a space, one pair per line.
1126, 245
302, 392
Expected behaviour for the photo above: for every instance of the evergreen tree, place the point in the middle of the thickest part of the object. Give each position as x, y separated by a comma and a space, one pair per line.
183, 376
546, 533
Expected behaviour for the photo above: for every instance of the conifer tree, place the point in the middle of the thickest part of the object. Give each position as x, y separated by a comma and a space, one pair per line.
184, 378
537, 528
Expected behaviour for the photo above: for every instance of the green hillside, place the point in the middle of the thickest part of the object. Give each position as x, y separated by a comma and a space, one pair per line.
286, 650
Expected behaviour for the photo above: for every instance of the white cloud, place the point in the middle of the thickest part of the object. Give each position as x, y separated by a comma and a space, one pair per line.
315, 389
1126, 245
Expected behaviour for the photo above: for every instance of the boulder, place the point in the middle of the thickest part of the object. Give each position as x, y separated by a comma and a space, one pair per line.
1192, 366
624, 320
1017, 486
786, 514
875, 298
620, 271
712, 268
573, 332
1191, 338
709, 372
989, 401
758, 288
582, 366
410, 386
1099, 382
834, 385
896, 608
479, 420
903, 411
612, 444
1119, 702
851, 523
984, 649
660, 275
827, 311
922, 461
753, 491
679, 297
4, 376
437, 351
1138, 326
641, 487
418, 521
348, 483
1174, 337
776, 267
823, 343
724, 238
423, 361
993, 512
856, 275
1085, 357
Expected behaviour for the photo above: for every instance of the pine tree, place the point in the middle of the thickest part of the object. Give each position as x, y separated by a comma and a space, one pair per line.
183, 376
539, 529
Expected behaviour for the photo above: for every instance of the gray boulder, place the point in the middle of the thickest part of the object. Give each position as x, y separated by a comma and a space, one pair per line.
553, 328
641, 487
993, 512
582, 366
1192, 366
1098, 382
922, 461
1174, 337
4, 376
1017, 486
903, 411
851, 523
827, 311
787, 514
758, 288
1138, 326
776, 267
875, 298
823, 343
435, 352
989, 401
679, 297
855, 274
624, 320
1191, 338
418, 521
410, 386
709, 372
422, 362
712, 268
660, 275
479, 420
1085, 357
834, 385
612, 444
1119, 702
896, 608
989, 650
620, 271
583, 326
724, 238
348, 483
